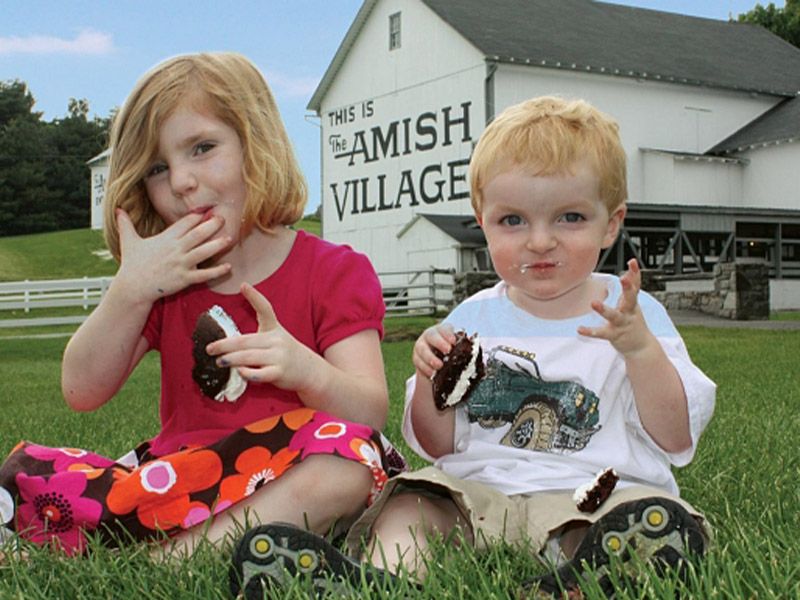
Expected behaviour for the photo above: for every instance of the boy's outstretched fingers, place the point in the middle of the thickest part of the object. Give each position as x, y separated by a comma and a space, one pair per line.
631, 282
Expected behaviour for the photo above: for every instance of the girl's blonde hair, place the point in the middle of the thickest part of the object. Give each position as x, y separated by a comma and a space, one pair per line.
547, 136
231, 88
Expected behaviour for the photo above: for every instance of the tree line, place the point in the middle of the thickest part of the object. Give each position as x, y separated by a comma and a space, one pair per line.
783, 22
44, 179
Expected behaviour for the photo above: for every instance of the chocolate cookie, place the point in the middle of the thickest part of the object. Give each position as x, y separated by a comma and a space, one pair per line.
462, 370
589, 496
218, 383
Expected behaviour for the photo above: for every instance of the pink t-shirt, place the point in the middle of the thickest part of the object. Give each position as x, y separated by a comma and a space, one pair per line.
321, 294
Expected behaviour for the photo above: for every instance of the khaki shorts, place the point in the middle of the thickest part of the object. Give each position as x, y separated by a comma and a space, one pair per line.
492, 515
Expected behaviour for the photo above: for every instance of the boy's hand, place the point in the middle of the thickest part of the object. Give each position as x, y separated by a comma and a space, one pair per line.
271, 355
442, 337
626, 329
168, 262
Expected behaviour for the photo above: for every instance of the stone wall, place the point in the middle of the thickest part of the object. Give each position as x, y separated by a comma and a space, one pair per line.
466, 284
740, 290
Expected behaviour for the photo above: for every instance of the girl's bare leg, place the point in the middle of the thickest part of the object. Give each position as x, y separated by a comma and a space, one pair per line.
400, 533
317, 492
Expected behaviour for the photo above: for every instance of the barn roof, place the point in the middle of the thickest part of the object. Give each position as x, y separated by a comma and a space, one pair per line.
779, 124
609, 39
462, 228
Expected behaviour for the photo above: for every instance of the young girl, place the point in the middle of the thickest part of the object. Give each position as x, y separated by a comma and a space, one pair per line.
202, 188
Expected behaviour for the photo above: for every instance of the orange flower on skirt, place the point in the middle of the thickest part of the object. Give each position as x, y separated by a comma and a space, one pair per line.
294, 420
256, 466
159, 490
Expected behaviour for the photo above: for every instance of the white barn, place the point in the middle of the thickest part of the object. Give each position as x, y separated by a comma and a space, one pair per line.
99, 166
709, 115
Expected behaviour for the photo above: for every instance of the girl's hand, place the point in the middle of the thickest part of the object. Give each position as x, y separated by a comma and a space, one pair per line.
626, 329
442, 337
169, 261
271, 355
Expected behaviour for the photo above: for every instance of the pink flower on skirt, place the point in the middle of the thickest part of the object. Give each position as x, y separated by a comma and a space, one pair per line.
325, 434
55, 509
65, 457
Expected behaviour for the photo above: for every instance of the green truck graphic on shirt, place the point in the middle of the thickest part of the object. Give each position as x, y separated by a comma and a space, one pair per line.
546, 416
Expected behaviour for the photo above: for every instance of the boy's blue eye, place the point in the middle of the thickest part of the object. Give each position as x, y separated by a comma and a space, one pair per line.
572, 218
512, 220
203, 147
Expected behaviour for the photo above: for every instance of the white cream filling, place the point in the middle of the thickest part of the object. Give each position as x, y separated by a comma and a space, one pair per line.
236, 383
582, 491
462, 385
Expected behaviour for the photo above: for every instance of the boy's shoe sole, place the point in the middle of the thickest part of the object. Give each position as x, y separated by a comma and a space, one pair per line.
656, 530
273, 555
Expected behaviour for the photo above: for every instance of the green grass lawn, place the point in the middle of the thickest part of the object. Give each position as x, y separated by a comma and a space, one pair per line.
744, 477
57, 255
67, 254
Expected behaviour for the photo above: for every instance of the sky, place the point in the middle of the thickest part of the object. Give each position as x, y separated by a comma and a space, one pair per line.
97, 49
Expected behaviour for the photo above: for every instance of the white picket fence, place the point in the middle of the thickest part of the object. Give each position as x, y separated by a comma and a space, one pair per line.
416, 292
28, 296
405, 292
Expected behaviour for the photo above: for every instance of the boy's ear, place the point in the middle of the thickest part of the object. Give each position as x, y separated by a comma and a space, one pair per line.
479, 219
614, 224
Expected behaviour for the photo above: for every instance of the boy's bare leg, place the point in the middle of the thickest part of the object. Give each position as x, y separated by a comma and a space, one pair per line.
400, 533
572, 536
314, 493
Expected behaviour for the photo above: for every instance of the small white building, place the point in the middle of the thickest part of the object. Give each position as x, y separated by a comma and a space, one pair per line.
99, 173
709, 115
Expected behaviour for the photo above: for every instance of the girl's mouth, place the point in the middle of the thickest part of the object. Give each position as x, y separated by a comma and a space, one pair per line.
206, 211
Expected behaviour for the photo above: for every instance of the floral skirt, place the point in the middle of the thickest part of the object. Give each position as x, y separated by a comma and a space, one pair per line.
56, 495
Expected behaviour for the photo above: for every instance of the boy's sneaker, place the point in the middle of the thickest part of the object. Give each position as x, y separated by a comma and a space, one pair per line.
273, 555
656, 530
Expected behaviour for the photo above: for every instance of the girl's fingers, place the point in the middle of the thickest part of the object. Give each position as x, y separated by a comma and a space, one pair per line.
127, 232
265, 374
198, 276
186, 224
206, 250
201, 230
256, 358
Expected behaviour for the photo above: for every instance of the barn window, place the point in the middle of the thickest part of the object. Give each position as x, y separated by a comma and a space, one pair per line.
394, 31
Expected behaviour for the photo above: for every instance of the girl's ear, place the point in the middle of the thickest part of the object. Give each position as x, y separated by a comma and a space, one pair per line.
614, 225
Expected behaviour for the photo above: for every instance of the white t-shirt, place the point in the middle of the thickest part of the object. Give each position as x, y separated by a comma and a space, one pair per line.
556, 407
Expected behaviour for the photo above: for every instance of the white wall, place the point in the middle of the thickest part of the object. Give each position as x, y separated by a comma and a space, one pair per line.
651, 115
784, 294
425, 245
368, 197
693, 181
773, 177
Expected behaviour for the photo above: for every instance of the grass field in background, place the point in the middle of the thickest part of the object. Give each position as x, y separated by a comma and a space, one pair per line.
67, 254
57, 255
744, 477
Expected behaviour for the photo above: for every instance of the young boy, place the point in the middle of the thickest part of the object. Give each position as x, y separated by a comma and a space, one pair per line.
583, 372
